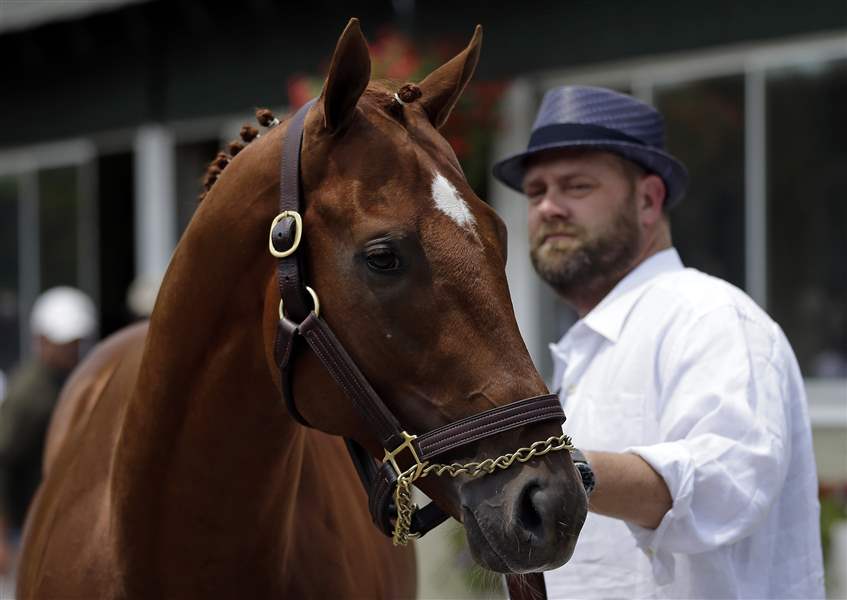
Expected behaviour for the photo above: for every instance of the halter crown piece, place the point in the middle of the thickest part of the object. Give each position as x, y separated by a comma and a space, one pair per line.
408, 457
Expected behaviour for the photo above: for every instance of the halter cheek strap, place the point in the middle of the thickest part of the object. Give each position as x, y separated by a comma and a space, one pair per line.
286, 235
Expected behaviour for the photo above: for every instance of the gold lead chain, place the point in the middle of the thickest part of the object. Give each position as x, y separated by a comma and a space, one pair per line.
403, 492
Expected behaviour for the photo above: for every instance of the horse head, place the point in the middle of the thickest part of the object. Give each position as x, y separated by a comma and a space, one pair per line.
409, 268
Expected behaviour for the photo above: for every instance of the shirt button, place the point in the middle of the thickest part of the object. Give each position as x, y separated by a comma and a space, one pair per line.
571, 389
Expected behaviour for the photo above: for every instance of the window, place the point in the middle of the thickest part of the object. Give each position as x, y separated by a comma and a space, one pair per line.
115, 238
58, 230
10, 319
807, 212
47, 235
704, 123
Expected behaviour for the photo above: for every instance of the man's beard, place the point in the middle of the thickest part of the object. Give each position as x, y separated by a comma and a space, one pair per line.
587, 262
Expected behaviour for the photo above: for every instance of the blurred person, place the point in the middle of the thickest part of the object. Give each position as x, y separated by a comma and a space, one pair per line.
685, 395
61, 319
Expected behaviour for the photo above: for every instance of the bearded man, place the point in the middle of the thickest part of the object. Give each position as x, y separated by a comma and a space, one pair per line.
685, 396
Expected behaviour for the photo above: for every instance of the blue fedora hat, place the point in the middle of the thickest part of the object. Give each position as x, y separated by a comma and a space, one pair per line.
596, 118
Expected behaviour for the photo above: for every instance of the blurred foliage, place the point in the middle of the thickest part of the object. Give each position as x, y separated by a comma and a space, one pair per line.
833, 510
472, 124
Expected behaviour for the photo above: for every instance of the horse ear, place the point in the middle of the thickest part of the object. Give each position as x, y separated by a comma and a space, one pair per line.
442, 88
349, 74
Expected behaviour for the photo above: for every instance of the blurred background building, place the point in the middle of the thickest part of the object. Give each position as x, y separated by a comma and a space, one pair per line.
111, 109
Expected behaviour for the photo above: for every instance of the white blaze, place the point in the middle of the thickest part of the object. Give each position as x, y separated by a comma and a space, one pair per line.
448, 201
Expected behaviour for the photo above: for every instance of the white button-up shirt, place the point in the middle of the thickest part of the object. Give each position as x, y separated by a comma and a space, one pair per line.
686, 371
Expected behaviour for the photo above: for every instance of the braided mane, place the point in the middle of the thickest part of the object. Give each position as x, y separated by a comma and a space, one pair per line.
248, 133
391, 102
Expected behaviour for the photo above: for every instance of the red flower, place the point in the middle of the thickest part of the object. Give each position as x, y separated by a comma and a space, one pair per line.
473, 121
299, 90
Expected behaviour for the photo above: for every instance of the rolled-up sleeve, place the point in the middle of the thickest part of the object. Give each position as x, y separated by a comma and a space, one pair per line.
725, 448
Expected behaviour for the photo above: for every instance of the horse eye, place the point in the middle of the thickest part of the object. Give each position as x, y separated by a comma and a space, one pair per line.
382, 260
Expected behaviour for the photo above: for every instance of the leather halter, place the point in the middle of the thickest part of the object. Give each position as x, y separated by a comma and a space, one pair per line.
296, 319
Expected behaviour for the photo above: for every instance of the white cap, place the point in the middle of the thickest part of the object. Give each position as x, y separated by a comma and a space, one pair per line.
63, 314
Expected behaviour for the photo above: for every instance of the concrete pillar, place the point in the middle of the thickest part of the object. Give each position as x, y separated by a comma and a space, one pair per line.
155, 200
517, 113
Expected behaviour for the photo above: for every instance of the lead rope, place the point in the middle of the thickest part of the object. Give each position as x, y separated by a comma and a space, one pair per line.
403, 492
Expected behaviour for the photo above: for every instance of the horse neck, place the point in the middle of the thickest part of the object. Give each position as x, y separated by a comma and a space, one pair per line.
205, 428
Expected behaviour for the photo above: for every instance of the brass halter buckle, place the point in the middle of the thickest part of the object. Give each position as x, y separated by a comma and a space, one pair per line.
402, 493
415, 470
298, 233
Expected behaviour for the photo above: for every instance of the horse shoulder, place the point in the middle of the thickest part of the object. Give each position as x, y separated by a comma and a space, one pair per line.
85, 386
67, 549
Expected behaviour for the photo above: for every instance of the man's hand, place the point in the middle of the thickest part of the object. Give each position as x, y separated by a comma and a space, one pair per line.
628, 488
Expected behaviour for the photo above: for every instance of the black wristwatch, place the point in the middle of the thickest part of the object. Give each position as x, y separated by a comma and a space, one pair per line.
585, 470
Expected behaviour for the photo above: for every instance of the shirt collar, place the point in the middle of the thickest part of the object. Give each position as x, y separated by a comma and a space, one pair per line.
608, 317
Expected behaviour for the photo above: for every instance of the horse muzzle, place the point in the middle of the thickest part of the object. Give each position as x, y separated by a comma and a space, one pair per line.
526, 520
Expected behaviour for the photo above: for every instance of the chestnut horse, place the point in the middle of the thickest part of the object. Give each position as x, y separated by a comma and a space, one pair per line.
173, 470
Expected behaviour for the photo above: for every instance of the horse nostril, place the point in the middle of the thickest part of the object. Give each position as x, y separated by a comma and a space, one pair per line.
529, 515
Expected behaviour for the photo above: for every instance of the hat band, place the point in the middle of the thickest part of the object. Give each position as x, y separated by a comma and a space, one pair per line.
573, 132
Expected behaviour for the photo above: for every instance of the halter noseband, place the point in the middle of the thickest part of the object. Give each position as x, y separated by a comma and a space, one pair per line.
407, 457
